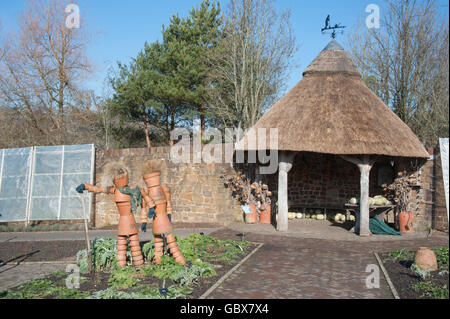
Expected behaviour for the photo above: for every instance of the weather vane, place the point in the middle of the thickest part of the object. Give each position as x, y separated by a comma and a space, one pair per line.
331, 28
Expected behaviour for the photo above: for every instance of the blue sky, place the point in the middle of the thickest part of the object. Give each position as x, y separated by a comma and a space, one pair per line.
124, 26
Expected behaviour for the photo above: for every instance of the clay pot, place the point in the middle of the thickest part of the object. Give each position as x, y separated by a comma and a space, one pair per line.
161, 223
121, 180
127, 225
181, 260
405, 220
119, 197
253, 217
157, 194
426, 259
264, 216
93, 189
124, 208
152, 179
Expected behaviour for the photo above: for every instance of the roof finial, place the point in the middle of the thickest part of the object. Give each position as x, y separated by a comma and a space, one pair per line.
331, 28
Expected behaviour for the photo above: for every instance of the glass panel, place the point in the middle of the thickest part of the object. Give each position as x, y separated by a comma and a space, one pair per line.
70, 182
77, 162
16, 164
81, 147
44, 208
48, 163
13, 210
46, 185
40, 149
72, 208
14, 187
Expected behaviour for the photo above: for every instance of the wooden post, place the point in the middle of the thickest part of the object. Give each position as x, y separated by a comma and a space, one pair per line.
285, 160
364, 165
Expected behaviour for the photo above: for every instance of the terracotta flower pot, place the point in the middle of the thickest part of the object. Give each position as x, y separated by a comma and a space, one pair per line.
152, 179
264, 216
405, 220
120, 198
161, 223
426, 259
157, 194
253, 217
121, 180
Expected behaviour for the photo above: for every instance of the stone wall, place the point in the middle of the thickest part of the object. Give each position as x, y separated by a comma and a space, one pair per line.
440, 219
198, 195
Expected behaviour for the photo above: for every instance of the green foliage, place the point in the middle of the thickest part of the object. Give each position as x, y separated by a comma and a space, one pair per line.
164, 86
41, 288
442, 257
104, 255
122, 278
401, 254
422, 273
431, 290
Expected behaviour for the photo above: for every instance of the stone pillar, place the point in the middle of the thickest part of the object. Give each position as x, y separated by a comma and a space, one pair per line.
285, 160
364, 165
363, 219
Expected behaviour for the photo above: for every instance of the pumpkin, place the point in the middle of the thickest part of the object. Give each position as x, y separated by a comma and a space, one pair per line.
299, 215
320, 217
353, 201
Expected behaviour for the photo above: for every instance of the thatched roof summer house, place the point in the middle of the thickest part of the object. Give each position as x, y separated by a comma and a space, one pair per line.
332, 111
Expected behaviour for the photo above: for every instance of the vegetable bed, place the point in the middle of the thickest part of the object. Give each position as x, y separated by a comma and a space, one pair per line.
210, 259
413, 283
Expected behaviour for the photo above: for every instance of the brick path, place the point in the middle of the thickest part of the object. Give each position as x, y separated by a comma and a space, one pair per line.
305, 268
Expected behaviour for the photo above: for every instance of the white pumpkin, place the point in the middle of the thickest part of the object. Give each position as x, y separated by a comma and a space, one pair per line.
353, 201
299, 215
352, 218
314, 216
320, 217
343, 218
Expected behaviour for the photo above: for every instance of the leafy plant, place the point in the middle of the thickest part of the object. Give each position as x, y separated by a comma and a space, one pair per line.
104, 255
401, 254
442, 257
122, 278
422, 273
431, 290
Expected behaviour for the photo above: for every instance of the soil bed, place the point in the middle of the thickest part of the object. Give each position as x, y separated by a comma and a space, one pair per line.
39, 250
98, 280
407, 281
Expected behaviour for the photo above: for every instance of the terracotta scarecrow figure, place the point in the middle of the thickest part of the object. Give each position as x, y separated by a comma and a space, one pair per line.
158, 199
127, 200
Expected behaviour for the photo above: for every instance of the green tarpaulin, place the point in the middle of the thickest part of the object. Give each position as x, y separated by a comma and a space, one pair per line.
378, 227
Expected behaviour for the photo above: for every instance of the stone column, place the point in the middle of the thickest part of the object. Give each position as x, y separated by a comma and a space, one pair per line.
364, 165
285, 160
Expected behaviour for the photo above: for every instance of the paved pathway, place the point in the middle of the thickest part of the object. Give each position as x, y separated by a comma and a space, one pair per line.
12, 275
304, 268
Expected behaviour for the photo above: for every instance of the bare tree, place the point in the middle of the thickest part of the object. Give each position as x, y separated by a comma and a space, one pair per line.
43, 69
250, 68
405, 62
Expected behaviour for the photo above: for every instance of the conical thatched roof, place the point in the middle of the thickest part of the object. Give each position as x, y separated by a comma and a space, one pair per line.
332, 111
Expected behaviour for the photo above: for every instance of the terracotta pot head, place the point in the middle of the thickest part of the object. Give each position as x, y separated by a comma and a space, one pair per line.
120, 180
152, 179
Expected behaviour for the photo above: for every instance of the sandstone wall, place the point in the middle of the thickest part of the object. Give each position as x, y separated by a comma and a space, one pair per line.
198, 195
